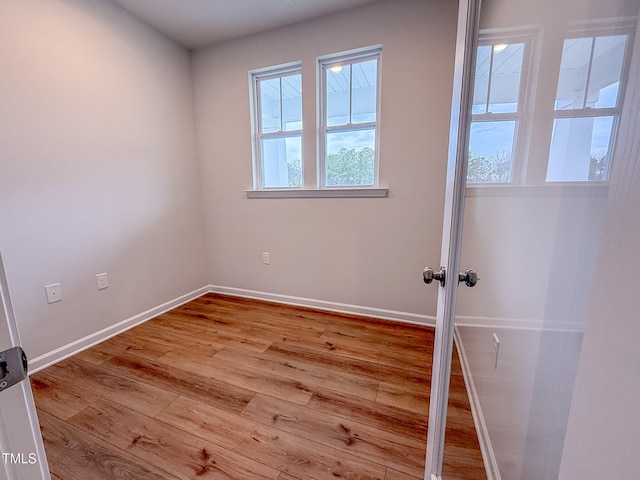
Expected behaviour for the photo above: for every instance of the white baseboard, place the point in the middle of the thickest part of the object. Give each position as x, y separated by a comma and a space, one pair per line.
405, 317
488, 455
518, 323
43, 361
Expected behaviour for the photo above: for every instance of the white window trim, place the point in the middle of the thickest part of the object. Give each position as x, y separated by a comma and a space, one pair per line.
324, 62
256, 119
343, 192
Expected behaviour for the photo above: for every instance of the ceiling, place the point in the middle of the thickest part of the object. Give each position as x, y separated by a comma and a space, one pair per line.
198, 23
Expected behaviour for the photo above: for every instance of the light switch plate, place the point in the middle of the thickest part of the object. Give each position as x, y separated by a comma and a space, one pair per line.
54, 292
102, 280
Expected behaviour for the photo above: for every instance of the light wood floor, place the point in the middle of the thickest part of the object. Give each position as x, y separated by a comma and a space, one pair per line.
230, 388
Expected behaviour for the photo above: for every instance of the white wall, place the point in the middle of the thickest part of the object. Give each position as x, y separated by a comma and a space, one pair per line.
358, 251
98, 168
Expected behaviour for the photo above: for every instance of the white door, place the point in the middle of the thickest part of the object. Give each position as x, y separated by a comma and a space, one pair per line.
23, 456
541, 141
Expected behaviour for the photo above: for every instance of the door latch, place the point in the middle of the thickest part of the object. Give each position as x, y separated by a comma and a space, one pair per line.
428, 275
13, 367
470, 278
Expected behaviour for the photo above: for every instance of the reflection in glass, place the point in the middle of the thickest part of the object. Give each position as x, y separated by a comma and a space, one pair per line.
498, 76
481, 85
270, 105
350, 158
505, 77
574, 81
281, 162
491, 152
281, 103
580, 149
291, 102
590, 72
351, 93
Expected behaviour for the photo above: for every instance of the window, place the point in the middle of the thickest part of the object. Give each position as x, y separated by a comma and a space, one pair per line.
349, 114
499, 90
278, 127
587, 107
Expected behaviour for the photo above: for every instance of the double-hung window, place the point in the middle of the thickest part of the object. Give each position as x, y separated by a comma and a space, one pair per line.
278, 127
496, 116
348, 118
587, 106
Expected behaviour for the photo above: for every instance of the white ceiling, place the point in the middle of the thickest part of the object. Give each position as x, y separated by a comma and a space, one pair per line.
198, 23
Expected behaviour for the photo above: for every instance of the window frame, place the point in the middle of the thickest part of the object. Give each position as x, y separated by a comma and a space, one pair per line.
255, 77
594, 32
522, 121
323, 64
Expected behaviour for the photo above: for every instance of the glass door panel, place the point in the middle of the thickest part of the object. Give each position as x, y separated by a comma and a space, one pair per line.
534, 214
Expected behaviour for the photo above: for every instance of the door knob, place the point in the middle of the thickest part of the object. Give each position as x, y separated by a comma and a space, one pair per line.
428, 275
470, 278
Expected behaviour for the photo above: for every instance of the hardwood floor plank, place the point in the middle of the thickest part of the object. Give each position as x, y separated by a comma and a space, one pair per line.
209, 335
360, 440
57, 398
125, 342
153, 332
184, 455
77, 455
393, 475
235, 374
384, 417
282, 451
306, 372
286, 476
292, 351
415, 399
207, 390
143, 397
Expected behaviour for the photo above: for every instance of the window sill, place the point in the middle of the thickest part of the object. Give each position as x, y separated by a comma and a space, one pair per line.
547, 190
364, 192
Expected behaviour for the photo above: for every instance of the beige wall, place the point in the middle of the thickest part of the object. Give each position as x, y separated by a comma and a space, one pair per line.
98, 168
358, 251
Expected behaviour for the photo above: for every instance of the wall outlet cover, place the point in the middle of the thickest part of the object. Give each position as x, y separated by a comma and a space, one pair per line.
54, 292
102, 280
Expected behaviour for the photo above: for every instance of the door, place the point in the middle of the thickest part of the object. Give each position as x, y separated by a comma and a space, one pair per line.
23, 456
538, 148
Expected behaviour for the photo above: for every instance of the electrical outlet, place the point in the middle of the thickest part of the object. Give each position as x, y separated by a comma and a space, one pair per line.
102, 280
54, 292
495, 349
265, 258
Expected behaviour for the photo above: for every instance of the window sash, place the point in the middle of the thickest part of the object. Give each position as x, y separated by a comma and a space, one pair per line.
325, 64
491, 40
258, 76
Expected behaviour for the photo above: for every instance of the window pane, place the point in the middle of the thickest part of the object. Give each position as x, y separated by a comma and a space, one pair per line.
364, 88
481, 85
580, 149
491, 152
574, 69
606, 71
270, 105
505, 77
350, 158
292, 102
282, 162
338, 93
